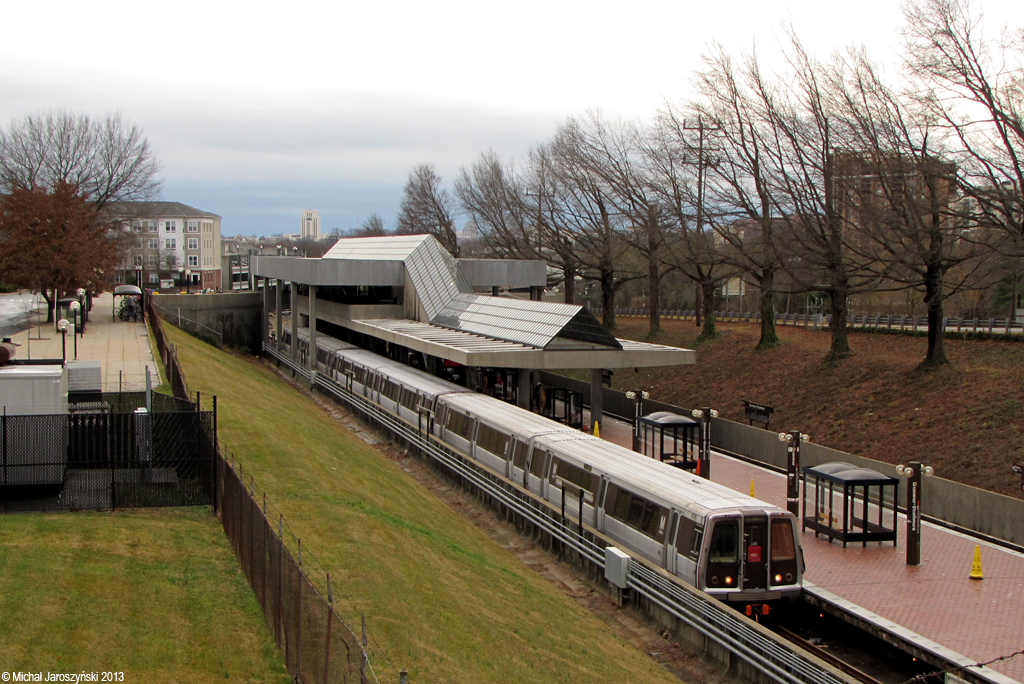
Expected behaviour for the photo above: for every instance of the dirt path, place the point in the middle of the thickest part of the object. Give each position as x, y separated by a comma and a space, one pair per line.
626, 622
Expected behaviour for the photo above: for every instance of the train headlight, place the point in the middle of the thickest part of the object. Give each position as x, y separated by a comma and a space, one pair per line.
728, 580
778, 579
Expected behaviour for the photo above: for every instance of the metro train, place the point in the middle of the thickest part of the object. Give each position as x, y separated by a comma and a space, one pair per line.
732, 546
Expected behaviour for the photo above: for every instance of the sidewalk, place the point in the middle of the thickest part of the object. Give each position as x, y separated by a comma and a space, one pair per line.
122, 348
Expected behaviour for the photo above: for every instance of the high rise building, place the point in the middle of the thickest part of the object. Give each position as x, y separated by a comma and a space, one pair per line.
309, 226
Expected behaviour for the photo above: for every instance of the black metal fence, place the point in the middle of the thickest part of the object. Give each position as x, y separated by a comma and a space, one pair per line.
292, 588
168, 354
96, 457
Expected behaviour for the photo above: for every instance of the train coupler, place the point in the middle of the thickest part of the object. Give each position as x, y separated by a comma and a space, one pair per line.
757, 609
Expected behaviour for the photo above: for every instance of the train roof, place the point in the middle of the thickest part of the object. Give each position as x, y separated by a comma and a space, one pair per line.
512, 419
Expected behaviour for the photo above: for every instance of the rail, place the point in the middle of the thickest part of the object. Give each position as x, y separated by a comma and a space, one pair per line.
741, 637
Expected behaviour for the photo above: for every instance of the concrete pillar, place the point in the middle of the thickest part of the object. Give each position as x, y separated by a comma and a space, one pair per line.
312, 327
494, 290
294, 303
278, 286
535, 293
523, 392
266, 310
596, 397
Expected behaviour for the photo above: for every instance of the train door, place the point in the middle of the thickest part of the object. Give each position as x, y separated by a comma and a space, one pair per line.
755, 553
602, 491
670, 542
721, 570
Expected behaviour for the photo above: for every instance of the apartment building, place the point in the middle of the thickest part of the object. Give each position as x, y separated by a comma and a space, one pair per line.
167, 244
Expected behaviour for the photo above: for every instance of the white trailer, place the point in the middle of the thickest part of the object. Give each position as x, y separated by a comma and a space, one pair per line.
33, 406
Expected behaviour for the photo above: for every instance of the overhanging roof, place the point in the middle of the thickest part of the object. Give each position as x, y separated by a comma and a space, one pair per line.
471, 349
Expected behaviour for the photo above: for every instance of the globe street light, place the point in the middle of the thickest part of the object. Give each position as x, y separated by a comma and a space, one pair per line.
62, 325
76, 307
188, 281
81, 300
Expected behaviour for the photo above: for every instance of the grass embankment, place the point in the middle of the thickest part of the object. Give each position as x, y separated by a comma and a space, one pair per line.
443, 599
155, 594
966, 419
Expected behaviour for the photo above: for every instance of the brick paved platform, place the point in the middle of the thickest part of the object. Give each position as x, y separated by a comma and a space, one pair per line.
934, 605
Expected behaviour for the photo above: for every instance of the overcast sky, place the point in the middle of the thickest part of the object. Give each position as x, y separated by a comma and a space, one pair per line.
257, 112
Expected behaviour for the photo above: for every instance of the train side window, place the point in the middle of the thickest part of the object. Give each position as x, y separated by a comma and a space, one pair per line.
537, 464
651, 519
783, 548
635, 516
698, 536
724, 545
519, 454
684, 535
492, 440
610, 494
622, 505
410, 400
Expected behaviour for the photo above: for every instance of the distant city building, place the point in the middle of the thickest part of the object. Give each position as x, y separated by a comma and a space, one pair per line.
168, 239
309, 226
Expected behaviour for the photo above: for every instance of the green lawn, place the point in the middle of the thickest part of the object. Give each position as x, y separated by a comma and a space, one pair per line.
155, 594
441, 599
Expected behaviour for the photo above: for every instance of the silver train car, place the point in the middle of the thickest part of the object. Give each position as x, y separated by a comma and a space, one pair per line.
730, 545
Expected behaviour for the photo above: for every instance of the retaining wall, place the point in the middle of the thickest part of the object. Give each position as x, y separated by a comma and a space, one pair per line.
235, 315
976, 509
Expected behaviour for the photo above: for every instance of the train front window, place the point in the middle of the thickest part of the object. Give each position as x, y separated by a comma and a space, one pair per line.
783, 548
723, 542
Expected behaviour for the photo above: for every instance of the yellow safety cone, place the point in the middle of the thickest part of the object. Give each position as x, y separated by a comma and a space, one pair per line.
597, 428
976, 565
752, 488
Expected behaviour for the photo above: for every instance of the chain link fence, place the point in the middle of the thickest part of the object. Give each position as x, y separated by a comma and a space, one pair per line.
102, 455
293, 589
168, 354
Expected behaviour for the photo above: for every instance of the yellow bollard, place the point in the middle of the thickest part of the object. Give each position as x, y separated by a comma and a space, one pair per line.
752, 488
597, 428
976, 565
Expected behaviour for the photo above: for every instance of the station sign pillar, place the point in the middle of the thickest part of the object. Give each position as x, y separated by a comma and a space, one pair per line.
914, 472
704, 415
793, 439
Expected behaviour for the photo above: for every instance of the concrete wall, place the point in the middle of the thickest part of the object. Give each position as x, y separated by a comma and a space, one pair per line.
975, 509
235, 315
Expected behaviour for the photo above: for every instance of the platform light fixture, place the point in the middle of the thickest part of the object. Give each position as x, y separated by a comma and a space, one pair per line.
62, 325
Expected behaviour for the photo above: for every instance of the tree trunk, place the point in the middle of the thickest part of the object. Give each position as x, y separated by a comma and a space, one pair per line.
569, 278
936, 355
49, 303
654, 303
697, 304
608, 297
769, 338
707, 289
840, 348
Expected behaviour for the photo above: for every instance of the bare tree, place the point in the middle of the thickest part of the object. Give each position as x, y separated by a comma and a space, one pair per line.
589, 217
494, 196
372, 226
105, 161
428, 208
615, 153
980, 97
677, 168
900, 188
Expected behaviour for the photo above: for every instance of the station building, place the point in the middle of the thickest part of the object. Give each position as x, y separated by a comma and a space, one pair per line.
407, 298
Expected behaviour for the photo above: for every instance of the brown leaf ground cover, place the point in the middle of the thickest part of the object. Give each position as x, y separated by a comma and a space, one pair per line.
966, 419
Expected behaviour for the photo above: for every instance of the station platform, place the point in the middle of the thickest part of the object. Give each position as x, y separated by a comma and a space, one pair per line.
122, 347
934, 605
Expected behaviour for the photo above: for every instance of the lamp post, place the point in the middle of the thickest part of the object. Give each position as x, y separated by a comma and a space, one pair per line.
914, 473
76, 307
62, 325
793, 439
704, 415
181, 277
638, 397
188, 281
81, 300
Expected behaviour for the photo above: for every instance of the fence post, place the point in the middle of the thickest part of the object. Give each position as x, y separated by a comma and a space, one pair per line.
403, 677
330, 621
214, 455
362, 659
298, 617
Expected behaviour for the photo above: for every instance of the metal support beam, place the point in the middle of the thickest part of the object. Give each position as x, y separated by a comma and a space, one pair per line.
312, 327
278, 286
523, 391
494, 290
293, 304
596, 397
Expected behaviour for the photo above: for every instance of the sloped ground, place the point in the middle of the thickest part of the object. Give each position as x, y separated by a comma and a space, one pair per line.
441, 597
966, 419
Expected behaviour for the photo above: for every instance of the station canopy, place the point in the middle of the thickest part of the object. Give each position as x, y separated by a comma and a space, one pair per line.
455, 323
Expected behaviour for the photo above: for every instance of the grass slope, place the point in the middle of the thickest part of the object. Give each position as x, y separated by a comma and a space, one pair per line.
155, 594
444, 600
966, 419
